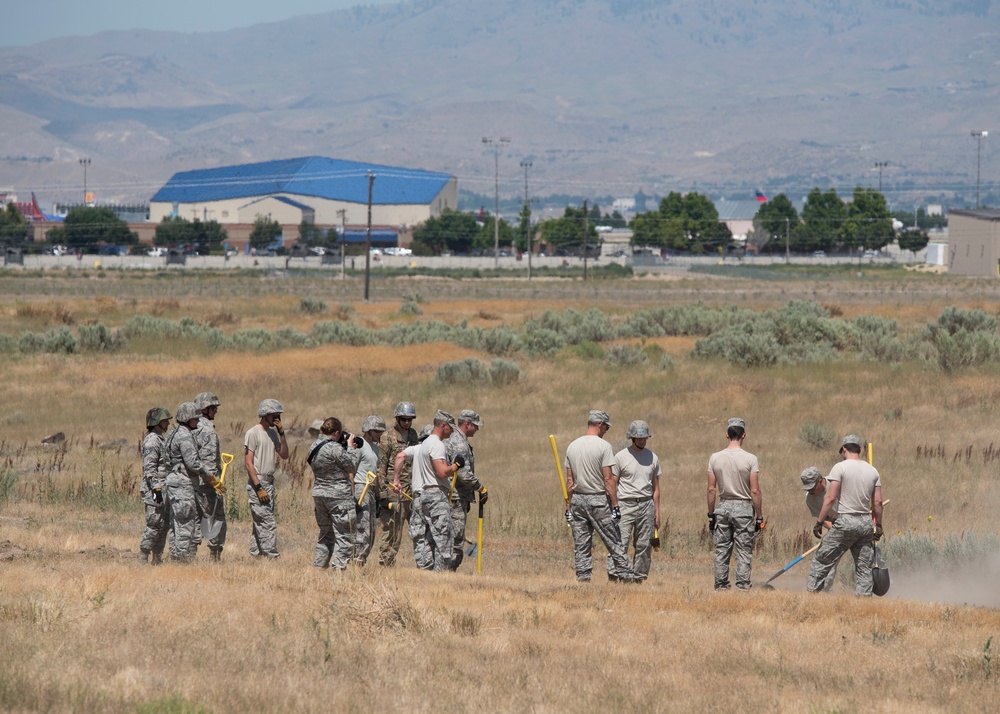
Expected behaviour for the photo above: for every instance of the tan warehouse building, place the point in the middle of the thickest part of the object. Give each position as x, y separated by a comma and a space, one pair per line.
974, 242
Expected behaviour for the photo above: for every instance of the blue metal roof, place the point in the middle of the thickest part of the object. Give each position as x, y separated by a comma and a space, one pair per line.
283, 199
317, 176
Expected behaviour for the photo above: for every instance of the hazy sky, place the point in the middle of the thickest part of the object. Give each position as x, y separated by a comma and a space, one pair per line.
26, 22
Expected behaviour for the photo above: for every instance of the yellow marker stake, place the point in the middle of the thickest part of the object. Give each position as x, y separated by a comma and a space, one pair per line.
479, 547
870, 453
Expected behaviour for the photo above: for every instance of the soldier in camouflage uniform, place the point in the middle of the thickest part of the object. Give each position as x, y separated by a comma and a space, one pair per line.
735, 474
431, 520
395, 514
333, 495
209, 500
155, 465
466, 484
263, 444
187, 472
593, 504
638, 472
368, 509
421, 551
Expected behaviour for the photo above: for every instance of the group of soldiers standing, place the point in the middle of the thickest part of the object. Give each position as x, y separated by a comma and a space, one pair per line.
395, 478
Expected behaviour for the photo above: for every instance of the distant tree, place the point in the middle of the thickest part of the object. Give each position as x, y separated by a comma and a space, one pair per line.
177, 230
615, 220
310, 235
13, 226
912, 239
869, 223
87, 227
485, 238
264, 232
690, 223
172, 230
452, 230
568, 230
209, 236
524, 228
775, 221
823, 216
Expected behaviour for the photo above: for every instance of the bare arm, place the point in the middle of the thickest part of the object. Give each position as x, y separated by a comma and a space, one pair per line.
443, 470
251, 471
397, 486
569, 481
711, 492
877, 505
832, 493
282, 451
656, 501
755, 495
611, 484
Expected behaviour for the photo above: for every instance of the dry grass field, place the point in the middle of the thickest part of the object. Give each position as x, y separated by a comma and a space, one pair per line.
84, 627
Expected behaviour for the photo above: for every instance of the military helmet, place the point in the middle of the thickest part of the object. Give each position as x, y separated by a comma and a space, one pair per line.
425, 432
187, 411
205, 400
373, 423
269, 406
157, 414
405, 409
637, 430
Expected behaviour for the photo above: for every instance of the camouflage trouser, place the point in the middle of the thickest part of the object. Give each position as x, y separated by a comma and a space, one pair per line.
734, 524
430, 530
852, 533
264, 538
185, 517
364, 533
593, 513
636, 526
335, 517
214, 506
154, 537
459, 516
392, 522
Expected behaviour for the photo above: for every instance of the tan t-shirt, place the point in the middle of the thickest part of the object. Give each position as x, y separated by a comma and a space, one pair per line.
586, 456
732, 469
858, 480
815, 504
636, 471
264, 444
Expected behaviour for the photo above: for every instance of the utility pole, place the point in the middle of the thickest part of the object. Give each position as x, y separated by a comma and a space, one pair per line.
85, 163
585, 242
342, 212
979, 136
527, 203
368, 237
496, 144
787, 231
880, 165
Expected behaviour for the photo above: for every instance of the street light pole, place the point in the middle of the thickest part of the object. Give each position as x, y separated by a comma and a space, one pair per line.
496, 144
979, 136
880, 165
368, 238
85, 163
527, 165
342, 213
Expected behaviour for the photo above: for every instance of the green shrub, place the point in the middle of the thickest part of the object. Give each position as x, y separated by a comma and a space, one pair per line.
499, 341
29, 343
817, 436
625, 355
588, 350
465, 372
312, 306
543, 341
60, 340
504, 372
338, 332
96, 337
410, 307
954, 319
667, 363
744, 349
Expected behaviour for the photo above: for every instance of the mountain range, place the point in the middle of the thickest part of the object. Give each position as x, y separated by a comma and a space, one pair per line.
602, 97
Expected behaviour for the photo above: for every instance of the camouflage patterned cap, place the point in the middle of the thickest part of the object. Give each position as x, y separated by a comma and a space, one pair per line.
852, 439
443, 417
157, 414
637, 430
736, 421
467, 415
596, 416
810, 477
187, 411
425, 432
373, 423
205, 400
269, 406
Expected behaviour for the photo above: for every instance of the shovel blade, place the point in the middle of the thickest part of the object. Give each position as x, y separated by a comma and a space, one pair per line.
210, 528
472, 550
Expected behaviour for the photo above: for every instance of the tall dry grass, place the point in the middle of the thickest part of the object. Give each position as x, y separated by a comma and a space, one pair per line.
85, 628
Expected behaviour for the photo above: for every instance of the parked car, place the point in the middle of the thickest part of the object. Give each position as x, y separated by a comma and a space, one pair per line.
819, 254
156, 252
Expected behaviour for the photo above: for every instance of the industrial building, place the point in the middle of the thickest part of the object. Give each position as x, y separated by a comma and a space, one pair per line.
974, 242
318, 190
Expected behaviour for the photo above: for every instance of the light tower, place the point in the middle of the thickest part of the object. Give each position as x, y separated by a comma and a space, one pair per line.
496, 144
979, 136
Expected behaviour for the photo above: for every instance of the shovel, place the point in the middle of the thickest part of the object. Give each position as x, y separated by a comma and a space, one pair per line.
880, 573
211, 525
655, 542
768, 586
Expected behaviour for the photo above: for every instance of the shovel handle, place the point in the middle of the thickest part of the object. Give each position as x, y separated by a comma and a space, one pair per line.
370, 478
226, 460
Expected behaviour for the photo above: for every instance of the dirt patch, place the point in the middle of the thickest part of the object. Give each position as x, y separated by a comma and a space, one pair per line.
106, 552
10, 551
